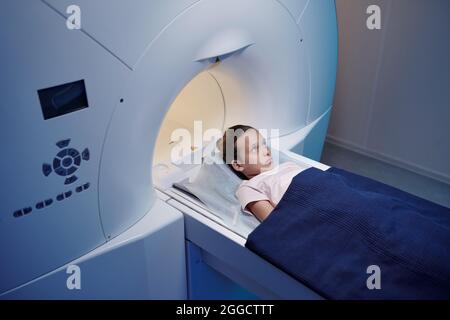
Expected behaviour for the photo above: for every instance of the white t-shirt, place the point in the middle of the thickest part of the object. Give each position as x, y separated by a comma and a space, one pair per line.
270, 185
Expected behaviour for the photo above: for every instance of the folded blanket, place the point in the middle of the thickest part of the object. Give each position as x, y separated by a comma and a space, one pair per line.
331, 226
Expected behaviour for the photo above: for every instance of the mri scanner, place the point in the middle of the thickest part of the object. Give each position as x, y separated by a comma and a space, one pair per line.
86, 119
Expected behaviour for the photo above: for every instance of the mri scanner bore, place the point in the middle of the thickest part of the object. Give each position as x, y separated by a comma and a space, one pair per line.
90, 184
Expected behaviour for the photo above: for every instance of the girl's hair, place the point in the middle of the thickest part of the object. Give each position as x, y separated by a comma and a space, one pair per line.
233, 132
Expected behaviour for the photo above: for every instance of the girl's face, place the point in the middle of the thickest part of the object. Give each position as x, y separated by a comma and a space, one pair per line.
253, 154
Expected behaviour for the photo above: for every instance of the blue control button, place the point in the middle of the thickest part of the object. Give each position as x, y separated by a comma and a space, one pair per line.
39, 205
46, 169
68, 194
56, 163
77, 161
27, 210
61, 171
67, 162
86, 186
85, 154
60, 197
63, 143
48, 202
18, 213
71, 170
63, 153
71, 179
73, 153
79, 189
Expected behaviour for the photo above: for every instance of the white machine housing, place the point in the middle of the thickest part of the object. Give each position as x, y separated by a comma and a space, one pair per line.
274, 62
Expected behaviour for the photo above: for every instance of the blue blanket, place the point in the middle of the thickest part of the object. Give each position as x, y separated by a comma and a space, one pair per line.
349, 237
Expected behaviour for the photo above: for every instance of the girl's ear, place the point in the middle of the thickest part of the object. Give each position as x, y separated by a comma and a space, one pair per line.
236, 166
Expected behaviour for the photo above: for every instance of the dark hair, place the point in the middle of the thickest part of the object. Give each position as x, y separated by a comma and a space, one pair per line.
236, 132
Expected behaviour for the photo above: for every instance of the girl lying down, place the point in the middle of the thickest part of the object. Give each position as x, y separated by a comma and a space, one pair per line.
264, 183
343, 235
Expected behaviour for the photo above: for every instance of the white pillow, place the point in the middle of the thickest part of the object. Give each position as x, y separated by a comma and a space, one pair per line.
216, 185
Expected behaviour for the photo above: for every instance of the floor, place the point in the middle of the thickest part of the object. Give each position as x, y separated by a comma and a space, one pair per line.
405, 180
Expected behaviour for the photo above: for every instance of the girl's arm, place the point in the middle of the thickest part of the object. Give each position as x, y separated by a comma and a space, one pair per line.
261, 209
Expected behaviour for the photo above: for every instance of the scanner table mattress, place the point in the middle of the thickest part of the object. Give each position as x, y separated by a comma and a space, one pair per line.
214, 186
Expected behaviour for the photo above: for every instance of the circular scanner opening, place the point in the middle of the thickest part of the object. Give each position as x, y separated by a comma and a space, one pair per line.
198, 107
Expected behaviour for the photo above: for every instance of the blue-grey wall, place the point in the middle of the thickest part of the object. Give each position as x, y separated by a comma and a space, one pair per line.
393, 88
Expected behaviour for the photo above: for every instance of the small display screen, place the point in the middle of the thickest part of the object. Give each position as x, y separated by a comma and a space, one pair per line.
63, 99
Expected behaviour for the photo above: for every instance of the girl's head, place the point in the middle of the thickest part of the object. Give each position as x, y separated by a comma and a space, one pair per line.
245, 150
